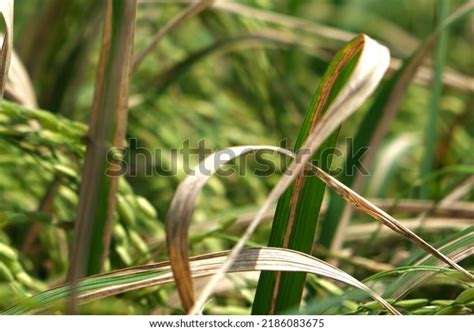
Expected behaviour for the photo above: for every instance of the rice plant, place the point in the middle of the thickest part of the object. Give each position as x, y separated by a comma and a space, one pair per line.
236, 157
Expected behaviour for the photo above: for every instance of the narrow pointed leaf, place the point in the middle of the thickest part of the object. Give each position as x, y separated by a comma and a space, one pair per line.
296, 216
377, 121
178, 218
458, 248
253, 259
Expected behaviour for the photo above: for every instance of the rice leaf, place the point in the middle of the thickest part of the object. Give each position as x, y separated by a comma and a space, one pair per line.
458, 248
296, 216
180, 212
377, 120
125, 280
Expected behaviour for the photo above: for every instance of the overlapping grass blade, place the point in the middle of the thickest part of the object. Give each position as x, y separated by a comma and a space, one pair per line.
377, 121
457, 247
369, 70
179, 216
180, 211
296, 216
253, 259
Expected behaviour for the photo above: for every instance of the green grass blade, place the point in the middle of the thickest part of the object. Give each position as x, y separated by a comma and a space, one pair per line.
459, 246
432, 124
377, 119
108, 124
405, 278
302, 201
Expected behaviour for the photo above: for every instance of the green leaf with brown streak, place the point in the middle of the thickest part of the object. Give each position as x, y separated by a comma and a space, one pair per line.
296, 217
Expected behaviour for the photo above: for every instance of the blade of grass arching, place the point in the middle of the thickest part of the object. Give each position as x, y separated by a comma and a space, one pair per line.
97, 197
18, 86
296, 215
324, 31
452, 79
458, 247
181, 209
125, 280
437, 90
6, 12
376, 122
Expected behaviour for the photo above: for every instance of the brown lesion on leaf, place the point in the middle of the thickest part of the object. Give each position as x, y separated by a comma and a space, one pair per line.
321, 103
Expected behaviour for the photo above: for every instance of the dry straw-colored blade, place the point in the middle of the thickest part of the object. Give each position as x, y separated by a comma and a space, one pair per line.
18, 86
181, 208
253, 259
6, 10
180, 212
369, 208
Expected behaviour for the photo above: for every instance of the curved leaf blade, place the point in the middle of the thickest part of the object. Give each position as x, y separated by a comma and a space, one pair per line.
296, 216
253, 259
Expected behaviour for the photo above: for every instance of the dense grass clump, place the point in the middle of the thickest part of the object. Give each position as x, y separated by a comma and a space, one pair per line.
237, 157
